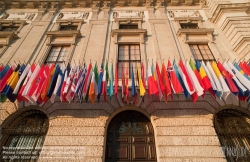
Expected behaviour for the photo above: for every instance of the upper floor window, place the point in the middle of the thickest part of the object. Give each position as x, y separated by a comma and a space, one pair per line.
189, 26
128, 26
9, 28
129, 56
201, 52
68, 27
58, 54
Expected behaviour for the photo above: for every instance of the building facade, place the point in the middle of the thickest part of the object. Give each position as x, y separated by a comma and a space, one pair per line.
131, 31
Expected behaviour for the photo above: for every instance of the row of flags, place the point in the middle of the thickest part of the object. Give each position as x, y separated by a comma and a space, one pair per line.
39, 83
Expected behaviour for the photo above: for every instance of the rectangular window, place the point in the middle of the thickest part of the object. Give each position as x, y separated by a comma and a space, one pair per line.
58, 54
126, 26
9, 28
189, 26
68, 27
201, 52
129, 55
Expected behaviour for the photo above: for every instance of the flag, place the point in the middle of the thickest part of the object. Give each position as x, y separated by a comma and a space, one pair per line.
204, 78
116, 79
174, 81
153, 71
111, 81
20, 96
228, 78
241, 71
141, 85
246, 66
73, 85
133, 90
69, 81
62, 97
243, 91
187, 81
92, 88
226, 90
123, 84
165, 81
81, 81
142, 76
104, 81
4, 71
28, 87
59, 82
11, 83
87, 81
216, 89
242, 66
37, 83
196, 76
126, 84
100, 83
152, 86
161, 87
53, 81
21, 79
5, 78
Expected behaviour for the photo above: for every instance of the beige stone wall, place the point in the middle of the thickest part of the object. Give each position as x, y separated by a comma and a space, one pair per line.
184, 131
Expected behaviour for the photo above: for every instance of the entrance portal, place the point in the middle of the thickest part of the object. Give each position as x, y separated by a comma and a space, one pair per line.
130, 138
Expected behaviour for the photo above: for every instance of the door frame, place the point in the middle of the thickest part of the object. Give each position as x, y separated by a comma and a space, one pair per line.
134, 108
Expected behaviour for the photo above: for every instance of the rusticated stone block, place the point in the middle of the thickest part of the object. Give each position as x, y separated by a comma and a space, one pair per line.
77, 131
82, 106
183, 121
193, 159
193, 151
183, 113
73, 140
79, 113
188, 140
74, 122
185, 130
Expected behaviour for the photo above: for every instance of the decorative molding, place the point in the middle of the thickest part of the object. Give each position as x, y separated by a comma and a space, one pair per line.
71, 33
19, 16
186, 33
183, 13
73, 15
121, 32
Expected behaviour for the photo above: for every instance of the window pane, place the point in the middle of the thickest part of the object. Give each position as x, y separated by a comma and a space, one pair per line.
201, 52
58, 54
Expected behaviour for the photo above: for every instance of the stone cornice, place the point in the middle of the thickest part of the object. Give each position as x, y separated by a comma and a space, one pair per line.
99, 4
64, 33
220, 8
200, 31
129, 32
9, 37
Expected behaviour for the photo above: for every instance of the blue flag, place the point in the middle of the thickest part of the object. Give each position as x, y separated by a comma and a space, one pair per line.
53, 81
133, 83
180, 80
100, 83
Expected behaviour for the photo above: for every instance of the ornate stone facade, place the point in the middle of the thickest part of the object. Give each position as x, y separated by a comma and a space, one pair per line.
184, 131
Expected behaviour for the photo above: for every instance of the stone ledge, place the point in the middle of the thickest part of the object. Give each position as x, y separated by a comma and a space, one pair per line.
77, 131
183, 122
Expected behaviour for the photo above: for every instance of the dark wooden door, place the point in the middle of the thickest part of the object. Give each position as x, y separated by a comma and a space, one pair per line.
130, 138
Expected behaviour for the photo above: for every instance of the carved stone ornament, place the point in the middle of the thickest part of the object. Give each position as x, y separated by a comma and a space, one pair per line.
183, 13
19, 16
73, 15
128, 14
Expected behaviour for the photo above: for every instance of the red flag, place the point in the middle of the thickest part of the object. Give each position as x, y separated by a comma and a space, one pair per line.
116, 79
123, 84
126, 84
165, 80
162, 87
244, 68
36, 81
174, 81
228, 78
152, 87
20, 97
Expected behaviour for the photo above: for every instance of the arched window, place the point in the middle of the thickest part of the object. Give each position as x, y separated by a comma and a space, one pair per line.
130, 137
233, 130
22, 140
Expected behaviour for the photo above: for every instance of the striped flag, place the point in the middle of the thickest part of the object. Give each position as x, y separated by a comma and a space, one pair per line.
226, 90
165, 81
241, 71
173, 79
152, 86
111, 81
100, 83
161, 87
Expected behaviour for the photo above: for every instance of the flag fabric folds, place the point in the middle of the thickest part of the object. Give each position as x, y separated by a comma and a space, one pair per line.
175, 83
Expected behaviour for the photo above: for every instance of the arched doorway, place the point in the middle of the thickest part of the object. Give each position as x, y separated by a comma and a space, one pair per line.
233, 129
23, 138
130, 138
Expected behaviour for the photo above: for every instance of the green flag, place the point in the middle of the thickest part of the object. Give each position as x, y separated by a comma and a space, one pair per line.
111, 87
96, 74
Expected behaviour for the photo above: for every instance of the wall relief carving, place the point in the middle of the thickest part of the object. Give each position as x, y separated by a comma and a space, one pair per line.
73, 15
